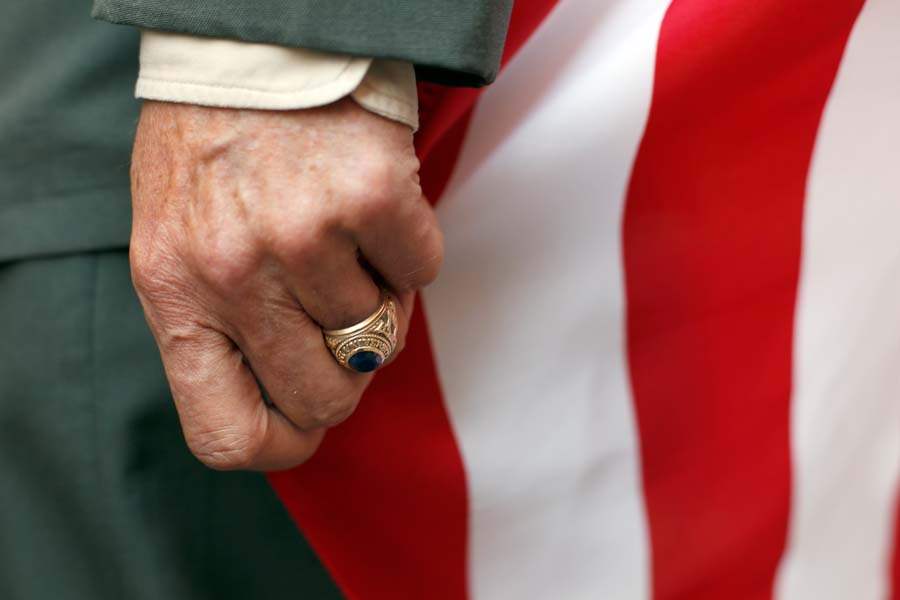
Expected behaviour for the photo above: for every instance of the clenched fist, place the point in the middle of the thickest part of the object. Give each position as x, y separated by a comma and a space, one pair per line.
253, 230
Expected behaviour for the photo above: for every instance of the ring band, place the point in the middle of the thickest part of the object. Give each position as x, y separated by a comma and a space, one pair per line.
367, 345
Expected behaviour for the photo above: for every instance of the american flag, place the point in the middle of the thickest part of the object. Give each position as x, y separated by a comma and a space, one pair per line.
663, 357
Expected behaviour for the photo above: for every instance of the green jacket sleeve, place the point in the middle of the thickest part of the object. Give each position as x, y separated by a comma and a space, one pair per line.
456, 42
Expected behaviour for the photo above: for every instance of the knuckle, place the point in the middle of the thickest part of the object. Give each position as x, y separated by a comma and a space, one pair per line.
225, 448
152, 269
434, 257
430, 245
143, 259
226, 265
333, 409
302, 244
378, 174
376, 189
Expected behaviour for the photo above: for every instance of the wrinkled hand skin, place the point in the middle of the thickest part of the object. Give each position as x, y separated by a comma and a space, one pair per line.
254, 229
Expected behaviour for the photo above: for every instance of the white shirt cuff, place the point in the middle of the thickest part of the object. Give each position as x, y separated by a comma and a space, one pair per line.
236, 74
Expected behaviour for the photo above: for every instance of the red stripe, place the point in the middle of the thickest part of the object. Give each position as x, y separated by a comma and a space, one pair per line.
441, 158
384, 500
712, 240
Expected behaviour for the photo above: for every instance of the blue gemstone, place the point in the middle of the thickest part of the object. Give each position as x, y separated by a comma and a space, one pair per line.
365, 361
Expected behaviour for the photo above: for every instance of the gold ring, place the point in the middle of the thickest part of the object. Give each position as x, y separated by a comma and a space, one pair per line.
367, 345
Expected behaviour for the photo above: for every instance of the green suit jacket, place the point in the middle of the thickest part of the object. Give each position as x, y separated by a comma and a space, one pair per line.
67, 111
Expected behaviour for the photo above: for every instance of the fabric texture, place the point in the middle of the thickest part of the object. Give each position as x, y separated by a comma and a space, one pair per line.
67, 118
100, 498
236, 74
456, 43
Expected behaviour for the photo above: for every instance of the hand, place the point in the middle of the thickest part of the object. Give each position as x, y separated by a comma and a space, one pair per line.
254, 229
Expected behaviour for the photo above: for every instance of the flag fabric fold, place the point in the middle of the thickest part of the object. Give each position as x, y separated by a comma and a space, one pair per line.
660, 361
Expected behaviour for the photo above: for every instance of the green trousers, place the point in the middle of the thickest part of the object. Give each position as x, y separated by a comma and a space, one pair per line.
99, 497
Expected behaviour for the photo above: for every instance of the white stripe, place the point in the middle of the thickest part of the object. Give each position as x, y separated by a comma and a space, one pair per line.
527, 318
846, 407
